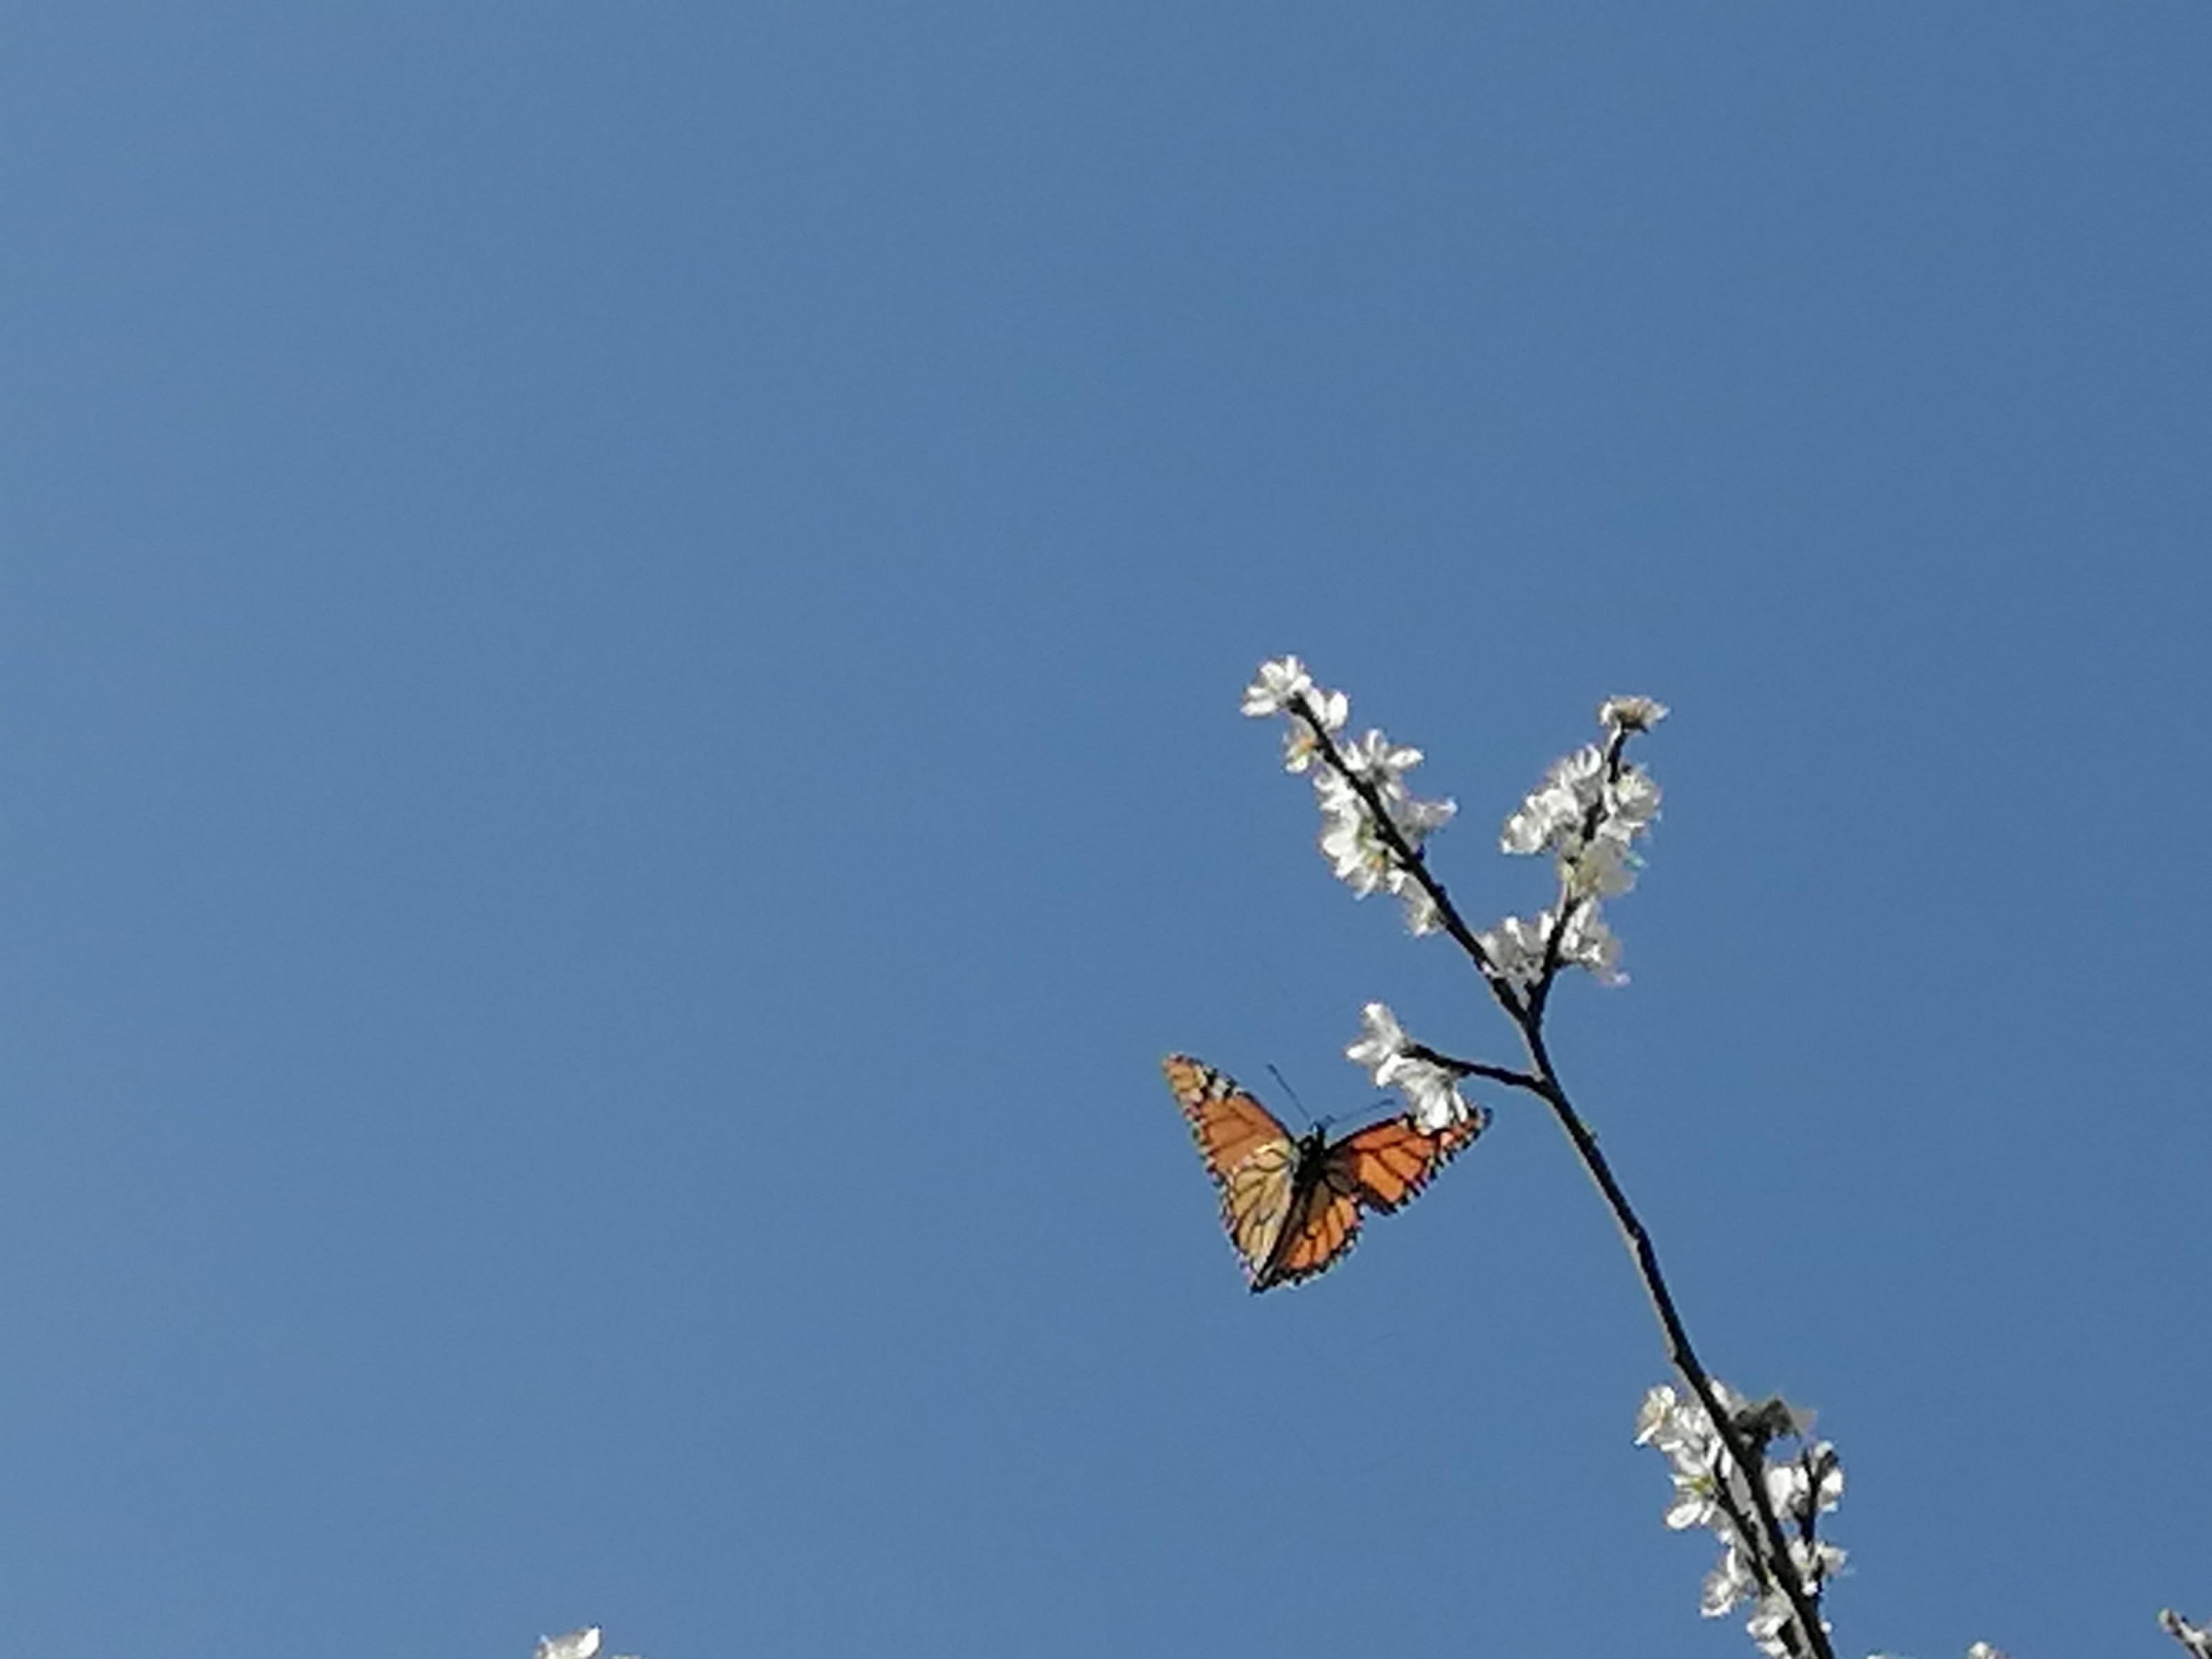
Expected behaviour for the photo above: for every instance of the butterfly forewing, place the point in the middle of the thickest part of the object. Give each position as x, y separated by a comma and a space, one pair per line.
1256, 1200
1251, 1157
1227, 1123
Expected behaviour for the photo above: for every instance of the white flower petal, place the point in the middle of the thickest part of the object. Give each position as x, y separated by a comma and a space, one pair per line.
1276, 683
1630, 714
1728, 1585
1382, 1039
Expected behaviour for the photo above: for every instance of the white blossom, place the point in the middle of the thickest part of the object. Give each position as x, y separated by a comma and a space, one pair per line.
1729, 1584
2196, 1638
1278, 684
1432, 1097
1696, 1503
1632, 799
1417, 819
1602, 866
1430, 1091
1364, 853
1363, 858
1807, 1486
1587, 820
1983, 1650
576, 1644
1422, 914
1375, 756
1556, 807
1630, 714
1383, 764
1816, 1562
1589, 943
1768, 1622
1382, 1043
1516, 949
1357, 853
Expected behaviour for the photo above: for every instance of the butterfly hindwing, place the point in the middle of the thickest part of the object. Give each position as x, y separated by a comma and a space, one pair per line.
1386, 1163
1322, 1227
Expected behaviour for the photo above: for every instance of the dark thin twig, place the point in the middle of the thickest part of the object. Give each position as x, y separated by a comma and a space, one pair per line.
1679, 1352
1504, 1074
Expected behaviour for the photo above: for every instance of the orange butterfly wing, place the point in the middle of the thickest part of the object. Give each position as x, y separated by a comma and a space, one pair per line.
1251, 1157
1324, 1225
1379, 1168
1386, 1163
1292, 1216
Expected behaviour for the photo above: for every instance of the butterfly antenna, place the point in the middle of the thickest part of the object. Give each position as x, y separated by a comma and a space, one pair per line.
1285, 1084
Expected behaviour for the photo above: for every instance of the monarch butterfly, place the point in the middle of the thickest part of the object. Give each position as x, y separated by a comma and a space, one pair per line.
1292, 1206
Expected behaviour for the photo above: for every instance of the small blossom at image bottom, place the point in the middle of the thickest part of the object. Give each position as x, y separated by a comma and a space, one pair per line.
574, 1644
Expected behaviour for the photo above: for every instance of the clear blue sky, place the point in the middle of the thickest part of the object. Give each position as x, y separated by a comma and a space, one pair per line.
621, 629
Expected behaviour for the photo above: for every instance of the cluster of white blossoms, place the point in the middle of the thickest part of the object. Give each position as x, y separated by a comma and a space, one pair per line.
1587, 813
1515, 946
1360, 850
576, 1644
1430, 1091
1710, 1491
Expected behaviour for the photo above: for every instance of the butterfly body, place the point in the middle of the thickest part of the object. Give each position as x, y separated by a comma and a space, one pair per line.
1292, 1206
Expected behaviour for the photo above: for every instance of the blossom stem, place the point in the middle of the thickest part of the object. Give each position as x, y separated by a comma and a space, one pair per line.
1680, 1353
1457, 1067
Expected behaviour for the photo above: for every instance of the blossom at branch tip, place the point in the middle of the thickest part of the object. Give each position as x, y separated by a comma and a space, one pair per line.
1983, 1650
1630, 714
1430, 1091
1368, 827
576, 1644
1277, 684
1383, 1041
